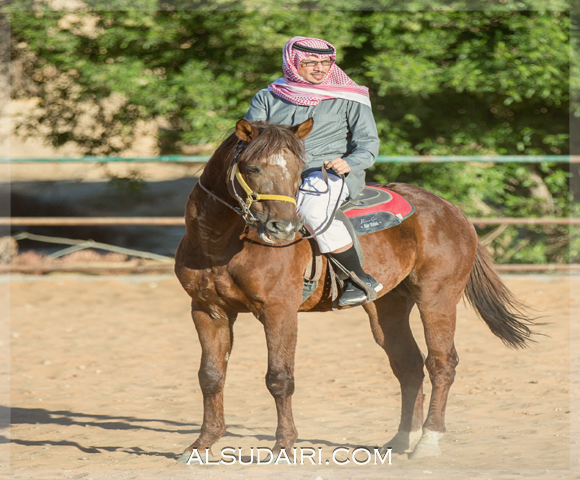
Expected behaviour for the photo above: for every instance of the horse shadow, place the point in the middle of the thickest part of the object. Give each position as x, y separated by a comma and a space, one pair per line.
41, 416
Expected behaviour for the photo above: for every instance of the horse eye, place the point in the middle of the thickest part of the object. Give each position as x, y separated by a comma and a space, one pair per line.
253, 170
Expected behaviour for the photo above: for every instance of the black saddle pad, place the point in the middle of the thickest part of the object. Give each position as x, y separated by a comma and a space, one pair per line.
369, 197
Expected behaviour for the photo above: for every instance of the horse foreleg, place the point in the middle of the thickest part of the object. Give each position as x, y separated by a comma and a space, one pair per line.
389, 317
215, 336
439, 324
281, 331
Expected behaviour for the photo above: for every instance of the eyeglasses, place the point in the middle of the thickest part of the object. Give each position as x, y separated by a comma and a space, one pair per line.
324, 63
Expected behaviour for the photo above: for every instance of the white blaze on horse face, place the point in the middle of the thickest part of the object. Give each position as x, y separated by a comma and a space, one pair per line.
281, 162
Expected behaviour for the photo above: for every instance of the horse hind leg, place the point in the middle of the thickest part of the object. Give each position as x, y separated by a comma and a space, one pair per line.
215, 333
389, 317
438, 315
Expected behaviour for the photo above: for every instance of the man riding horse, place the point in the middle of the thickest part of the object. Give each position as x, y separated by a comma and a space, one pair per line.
344, 140
430, 260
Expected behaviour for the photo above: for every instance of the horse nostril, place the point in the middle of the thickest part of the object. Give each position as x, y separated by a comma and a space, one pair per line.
280, 226
275, 226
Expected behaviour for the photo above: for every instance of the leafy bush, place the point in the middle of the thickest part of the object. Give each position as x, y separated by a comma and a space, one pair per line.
489, 82
501, 190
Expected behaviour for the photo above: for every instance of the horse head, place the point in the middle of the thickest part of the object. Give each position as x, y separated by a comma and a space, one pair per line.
270, 162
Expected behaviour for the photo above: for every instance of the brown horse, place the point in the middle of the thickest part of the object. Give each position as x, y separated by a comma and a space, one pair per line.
226, 267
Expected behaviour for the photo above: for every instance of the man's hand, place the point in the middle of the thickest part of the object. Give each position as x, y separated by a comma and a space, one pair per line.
339, 165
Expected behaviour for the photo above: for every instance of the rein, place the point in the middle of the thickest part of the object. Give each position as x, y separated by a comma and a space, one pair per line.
244, 209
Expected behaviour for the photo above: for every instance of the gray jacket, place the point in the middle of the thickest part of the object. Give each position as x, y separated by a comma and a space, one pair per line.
342, 128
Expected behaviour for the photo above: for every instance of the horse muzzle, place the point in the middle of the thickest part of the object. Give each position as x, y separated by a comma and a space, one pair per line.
276, 230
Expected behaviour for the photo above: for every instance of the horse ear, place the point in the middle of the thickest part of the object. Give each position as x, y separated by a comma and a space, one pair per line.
245, 131
303, 130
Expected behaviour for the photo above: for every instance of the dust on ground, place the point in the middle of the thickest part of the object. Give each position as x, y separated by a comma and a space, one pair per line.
104, 385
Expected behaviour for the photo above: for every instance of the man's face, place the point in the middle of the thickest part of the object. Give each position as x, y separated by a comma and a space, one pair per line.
314, 74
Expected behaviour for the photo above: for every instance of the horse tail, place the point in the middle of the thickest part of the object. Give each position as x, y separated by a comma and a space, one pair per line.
505, 315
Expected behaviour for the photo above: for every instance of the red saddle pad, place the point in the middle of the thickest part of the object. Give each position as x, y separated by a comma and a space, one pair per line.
397, 205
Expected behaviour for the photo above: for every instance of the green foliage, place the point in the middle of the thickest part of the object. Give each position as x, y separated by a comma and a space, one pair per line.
446, 82
441, 82
130, 185
502, 190
477, 84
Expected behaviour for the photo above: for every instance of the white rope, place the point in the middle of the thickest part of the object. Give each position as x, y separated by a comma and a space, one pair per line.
92, 244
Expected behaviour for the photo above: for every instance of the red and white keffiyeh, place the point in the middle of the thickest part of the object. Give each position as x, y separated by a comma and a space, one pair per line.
295, 89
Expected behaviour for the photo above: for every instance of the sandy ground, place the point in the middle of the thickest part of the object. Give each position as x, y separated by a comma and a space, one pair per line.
104, 385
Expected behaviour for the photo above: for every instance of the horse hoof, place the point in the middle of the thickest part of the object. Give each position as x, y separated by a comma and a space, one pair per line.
402, 442
282, 458
188, 459
428, 446
425, 450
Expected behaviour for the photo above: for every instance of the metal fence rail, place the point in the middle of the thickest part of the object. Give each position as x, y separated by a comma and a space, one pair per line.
136, 267
132, 267
178, 221
380, 159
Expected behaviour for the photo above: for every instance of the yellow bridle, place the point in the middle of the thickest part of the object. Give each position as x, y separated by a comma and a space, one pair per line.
257, 197
251, 196
244, 208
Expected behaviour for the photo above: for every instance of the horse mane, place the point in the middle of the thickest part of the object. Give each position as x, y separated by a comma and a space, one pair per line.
270, 141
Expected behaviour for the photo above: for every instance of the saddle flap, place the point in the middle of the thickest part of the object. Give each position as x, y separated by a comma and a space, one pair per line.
340, 215
313, 271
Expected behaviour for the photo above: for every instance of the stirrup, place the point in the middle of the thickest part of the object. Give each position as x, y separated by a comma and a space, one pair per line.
308, 289
370, 292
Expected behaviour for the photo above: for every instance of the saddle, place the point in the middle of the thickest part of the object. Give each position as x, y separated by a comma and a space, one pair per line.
374, 209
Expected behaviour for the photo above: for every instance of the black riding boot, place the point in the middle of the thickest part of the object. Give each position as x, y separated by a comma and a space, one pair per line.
353, 294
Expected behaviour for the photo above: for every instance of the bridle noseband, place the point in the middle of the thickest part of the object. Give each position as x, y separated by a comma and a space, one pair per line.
243, 210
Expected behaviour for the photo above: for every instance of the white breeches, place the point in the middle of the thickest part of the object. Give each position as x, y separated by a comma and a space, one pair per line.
315, 210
